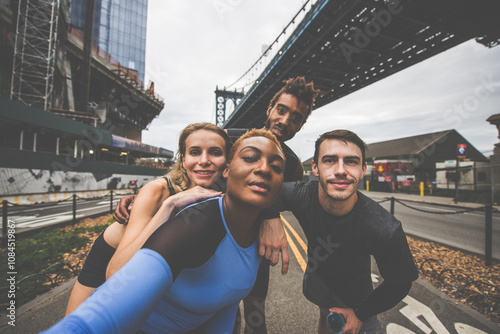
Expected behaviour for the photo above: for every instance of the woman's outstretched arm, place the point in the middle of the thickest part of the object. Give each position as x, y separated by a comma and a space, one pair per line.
125, 301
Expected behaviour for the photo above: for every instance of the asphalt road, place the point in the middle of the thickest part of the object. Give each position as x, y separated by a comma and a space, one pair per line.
464, 231
29, 217
424, 310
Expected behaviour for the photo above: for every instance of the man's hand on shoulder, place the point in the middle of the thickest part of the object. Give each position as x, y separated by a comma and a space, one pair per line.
122, 210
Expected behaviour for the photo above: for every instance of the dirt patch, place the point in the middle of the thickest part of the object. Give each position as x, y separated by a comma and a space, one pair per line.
77, 256
460, 275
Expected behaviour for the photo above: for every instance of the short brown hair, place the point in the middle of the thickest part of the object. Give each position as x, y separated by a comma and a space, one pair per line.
302, 90
253, 133
345, 136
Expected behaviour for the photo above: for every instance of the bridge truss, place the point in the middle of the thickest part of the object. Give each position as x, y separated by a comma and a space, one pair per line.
345, 45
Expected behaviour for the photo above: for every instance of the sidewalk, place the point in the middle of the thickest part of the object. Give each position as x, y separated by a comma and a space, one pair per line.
40, 313
424, 199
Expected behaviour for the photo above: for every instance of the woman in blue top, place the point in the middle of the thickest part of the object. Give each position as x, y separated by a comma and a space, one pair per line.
196, 267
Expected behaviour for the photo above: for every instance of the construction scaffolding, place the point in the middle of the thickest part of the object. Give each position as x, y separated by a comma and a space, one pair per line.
35, 52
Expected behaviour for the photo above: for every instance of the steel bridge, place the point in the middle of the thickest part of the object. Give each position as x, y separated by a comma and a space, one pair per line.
345, 45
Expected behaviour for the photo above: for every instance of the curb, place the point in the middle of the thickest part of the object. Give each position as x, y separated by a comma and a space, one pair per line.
493, 327
43, 299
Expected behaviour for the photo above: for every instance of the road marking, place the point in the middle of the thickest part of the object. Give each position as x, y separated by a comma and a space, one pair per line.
295, 250
295, 234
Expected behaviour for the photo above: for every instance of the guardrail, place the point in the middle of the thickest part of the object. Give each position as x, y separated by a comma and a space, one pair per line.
73, 198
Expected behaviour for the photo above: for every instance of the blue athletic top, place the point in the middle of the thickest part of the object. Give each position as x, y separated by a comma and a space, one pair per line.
190, 272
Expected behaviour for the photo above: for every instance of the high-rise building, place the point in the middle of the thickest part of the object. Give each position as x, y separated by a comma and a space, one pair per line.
119, 29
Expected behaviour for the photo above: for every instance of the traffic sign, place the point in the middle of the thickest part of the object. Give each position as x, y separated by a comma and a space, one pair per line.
461, 151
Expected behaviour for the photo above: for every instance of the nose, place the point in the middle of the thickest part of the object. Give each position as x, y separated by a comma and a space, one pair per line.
263, 168
285, 119
204, 159
340, 168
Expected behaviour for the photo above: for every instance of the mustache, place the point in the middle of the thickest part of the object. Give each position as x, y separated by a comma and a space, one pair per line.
336, 179
282, 128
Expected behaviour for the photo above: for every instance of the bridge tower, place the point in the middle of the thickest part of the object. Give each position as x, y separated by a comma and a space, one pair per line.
221, 98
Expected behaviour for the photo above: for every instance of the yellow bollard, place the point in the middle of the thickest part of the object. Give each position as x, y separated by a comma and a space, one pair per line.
430, 189
421, 189
367, 185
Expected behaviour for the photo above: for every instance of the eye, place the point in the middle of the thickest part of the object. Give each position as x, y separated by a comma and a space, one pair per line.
328, 161
194, 152
297, 118
351, 162
249, 159
216, 152
277, 169
281, 111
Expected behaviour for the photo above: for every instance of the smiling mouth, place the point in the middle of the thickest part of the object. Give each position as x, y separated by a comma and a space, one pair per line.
204, 172
260, 186
341, 184
279, 131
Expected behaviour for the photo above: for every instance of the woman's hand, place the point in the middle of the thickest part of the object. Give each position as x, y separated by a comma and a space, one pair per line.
192, 195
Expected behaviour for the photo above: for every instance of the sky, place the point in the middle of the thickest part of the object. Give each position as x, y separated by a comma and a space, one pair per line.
194, 46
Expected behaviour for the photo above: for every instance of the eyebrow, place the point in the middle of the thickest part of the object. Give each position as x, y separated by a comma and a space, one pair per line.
251, 147
282, 106
199, 148
355, 157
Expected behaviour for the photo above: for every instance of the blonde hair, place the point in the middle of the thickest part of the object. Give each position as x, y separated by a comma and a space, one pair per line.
253, 133
178, 175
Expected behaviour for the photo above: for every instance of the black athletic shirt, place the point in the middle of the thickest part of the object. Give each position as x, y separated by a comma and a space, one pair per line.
339, 248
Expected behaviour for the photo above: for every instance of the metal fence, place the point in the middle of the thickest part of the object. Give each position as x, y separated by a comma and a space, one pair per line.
74, 198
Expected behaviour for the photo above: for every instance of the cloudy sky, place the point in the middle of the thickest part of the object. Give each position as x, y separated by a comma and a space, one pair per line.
194, 46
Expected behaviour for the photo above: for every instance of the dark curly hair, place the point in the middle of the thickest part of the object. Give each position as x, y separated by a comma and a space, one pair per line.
301, 89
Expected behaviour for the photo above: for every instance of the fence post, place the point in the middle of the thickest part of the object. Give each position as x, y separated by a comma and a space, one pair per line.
74, 208
111, 202
456, 182
4, 223
488, 231
392, 205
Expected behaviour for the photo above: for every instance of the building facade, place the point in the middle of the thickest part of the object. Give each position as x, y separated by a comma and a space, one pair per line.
119, 29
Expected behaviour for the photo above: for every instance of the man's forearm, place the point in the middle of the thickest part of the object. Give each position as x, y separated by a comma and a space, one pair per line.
383, 298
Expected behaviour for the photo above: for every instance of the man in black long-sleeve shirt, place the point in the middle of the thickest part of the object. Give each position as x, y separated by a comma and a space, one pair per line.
343, 228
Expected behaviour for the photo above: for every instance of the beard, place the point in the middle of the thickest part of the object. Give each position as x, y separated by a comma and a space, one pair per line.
267, 125
339, 195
